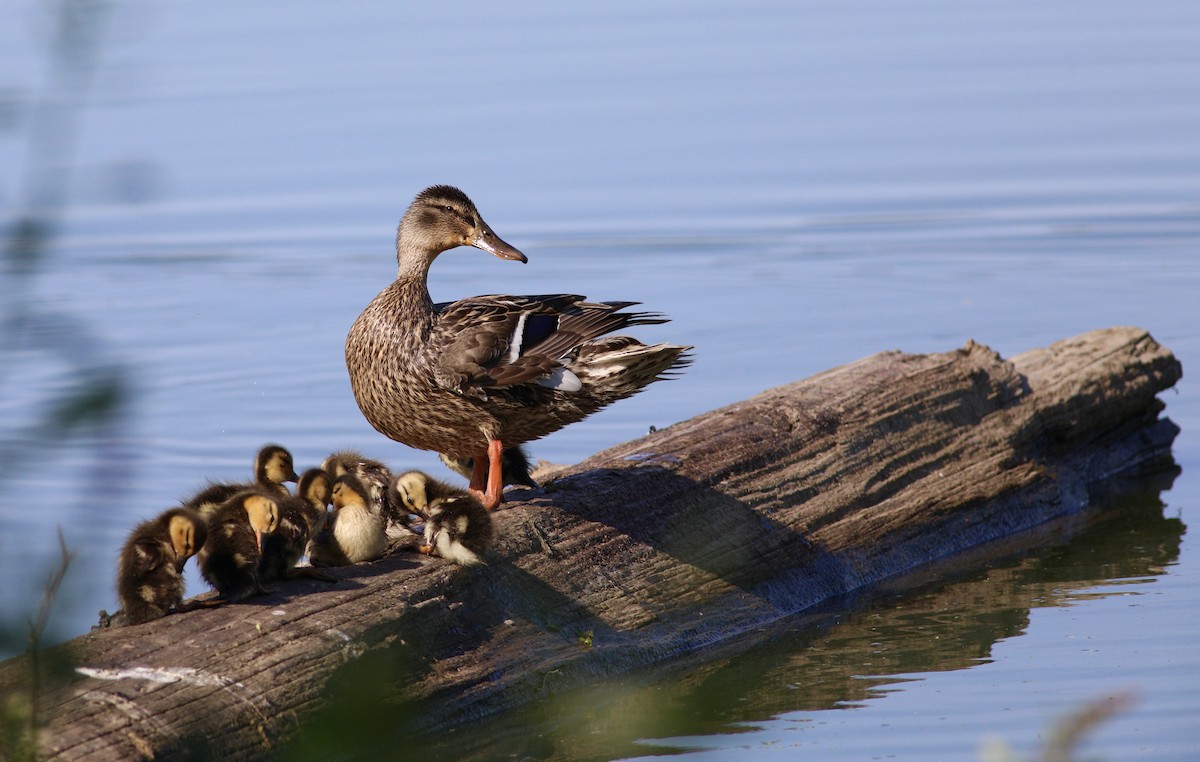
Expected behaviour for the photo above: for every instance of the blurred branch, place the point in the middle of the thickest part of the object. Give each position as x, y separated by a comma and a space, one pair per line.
19, 721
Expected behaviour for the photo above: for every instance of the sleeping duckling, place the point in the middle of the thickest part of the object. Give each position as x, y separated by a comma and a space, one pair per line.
457, 526
272, 467
357, 533
230, 558
301, 517
150, 569
514, 467
376, 477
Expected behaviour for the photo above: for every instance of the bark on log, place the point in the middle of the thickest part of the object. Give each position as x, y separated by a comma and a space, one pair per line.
656, 548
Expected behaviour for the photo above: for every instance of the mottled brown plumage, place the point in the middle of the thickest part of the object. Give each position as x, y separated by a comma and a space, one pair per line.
470, 377
150, 569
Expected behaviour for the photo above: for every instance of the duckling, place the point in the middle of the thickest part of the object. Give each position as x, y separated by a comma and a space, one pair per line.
376, 477
457, 526
237, 530
514, 467
273, 466
150, 569
357, 533
301, 517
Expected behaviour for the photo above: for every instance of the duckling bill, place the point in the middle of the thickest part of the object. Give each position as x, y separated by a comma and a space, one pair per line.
150, 568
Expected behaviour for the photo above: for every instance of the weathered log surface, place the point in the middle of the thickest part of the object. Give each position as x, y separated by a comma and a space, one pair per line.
655, 548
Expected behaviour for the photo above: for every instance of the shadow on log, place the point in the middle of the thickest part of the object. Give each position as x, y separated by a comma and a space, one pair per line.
668, 546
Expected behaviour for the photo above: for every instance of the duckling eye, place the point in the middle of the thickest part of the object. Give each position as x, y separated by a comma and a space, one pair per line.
447, 208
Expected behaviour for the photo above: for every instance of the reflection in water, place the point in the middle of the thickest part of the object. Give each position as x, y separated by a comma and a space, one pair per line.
833, 660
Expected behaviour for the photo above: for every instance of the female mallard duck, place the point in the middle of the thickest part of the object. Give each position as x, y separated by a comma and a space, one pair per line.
457, 526
150, 569
229, 560
472, 377
301, 517
272, 467
357, 531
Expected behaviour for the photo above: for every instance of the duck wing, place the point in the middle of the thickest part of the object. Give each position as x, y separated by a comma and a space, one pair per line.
495, 341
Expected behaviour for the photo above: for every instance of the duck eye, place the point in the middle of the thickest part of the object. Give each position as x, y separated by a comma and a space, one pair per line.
448, 208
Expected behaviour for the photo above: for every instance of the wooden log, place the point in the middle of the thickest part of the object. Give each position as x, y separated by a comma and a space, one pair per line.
658, 548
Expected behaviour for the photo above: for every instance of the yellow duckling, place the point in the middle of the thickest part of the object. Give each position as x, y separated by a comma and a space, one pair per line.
273, 466
150, 568
357, 532
457, 526
229, 560
376, 477
301, 517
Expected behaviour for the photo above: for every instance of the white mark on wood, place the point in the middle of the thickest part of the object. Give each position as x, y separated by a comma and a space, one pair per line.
278, 612
188, 675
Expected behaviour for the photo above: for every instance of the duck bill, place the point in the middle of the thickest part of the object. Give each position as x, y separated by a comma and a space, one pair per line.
258, 537
486, 240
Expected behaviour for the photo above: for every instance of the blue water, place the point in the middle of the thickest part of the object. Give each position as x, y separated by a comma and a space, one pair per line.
796, 184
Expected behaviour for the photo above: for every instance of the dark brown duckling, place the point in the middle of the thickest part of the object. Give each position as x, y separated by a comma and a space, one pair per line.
356, 533
273, 466
514, 467
301, 517
229, 560
150, 569
457, 526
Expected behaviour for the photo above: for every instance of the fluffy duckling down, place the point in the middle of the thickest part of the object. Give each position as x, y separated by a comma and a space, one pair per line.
357, 532
273, 467
301, 517
375, 477
150, 568
229, 560
457, 526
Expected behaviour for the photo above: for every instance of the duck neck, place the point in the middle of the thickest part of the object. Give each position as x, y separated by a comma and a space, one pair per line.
412, 263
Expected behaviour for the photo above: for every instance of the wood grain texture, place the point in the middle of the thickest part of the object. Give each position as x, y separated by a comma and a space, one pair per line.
657, 548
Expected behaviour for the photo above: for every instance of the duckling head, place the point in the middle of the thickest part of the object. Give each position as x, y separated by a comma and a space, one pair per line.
263, 513
411, 487
274, 464
316, 487
348, 490
335, 465
187, 532
442, 217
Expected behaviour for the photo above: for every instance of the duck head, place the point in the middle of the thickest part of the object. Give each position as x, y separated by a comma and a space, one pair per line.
315, 486
263, 513
411, 487
441, 217
187, 532
274, 464
347, 490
